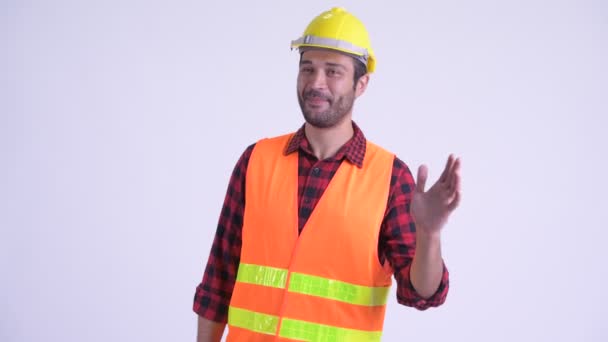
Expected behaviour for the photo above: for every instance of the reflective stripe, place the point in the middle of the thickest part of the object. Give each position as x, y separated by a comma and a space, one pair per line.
338, 290
313, 285
296, 329
255, 321
306, 331
262, 275
331, 42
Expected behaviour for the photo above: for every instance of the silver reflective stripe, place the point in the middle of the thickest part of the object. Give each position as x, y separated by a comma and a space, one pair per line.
330, 42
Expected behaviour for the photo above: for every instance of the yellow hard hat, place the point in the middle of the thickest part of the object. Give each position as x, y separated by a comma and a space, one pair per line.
337, 29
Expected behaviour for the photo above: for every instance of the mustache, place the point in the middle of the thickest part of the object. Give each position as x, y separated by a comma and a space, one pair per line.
315, 93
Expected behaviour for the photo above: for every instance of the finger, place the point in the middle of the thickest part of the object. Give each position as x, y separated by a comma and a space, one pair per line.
454, 186
446, 170
421, 177
454, 176
450, 175
450, 193
455, 202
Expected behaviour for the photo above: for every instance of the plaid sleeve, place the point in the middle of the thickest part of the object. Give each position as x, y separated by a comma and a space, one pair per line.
398, 241
212, 295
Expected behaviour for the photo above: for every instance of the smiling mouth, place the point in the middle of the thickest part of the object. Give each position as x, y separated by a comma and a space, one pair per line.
316, 100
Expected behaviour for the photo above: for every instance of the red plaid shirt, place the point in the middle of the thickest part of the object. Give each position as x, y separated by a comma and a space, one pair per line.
397, 235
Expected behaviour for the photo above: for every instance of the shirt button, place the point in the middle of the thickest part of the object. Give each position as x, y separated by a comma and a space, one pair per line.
316, 171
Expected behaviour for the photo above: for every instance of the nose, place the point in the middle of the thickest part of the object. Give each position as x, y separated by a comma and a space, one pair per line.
318, 80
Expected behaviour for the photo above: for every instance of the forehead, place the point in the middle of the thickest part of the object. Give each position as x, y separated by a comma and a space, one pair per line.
322, 56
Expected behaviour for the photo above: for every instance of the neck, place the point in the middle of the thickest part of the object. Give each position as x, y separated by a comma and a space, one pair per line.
325, 142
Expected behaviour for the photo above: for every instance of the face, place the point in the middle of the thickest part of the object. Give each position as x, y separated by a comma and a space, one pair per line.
326, 91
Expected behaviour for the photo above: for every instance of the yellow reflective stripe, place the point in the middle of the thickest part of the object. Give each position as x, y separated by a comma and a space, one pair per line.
306, 331
296, 329
338, 290
262, 275
313, 285
254, 321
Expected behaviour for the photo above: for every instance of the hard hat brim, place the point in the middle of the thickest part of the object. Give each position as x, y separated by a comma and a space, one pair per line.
360, 53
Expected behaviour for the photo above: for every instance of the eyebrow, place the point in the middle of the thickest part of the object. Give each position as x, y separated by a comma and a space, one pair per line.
335, 65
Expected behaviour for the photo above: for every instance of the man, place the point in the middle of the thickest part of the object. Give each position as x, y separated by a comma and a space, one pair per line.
315, 224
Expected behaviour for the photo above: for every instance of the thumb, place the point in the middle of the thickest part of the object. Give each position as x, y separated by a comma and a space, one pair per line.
421, 179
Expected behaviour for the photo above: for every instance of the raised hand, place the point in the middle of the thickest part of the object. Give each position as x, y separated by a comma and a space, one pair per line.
431, 209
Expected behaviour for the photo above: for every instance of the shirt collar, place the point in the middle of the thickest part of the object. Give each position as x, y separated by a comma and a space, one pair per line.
353, 150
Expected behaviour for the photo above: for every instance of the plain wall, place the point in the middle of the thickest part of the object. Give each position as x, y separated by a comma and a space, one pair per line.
120, 122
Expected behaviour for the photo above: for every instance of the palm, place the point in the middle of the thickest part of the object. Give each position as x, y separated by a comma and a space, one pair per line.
431, 209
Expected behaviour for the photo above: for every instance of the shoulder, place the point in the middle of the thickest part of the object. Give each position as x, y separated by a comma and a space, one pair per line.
240, 168
281, 141
401, 175
402, 180
246, 154
400, 168
265, 142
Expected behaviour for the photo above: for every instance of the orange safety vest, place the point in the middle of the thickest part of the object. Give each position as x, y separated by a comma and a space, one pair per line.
327, 283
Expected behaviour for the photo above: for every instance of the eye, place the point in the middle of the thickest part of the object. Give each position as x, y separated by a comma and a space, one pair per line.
306, 70
333, 73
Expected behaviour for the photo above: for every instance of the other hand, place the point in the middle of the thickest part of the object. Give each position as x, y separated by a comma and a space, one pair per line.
431, 209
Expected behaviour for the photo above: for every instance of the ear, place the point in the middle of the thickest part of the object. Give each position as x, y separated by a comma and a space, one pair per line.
361, 85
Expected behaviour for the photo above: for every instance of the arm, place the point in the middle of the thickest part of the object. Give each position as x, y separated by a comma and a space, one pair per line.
427, 267
430, 211
399, 245
213, 294
209, 331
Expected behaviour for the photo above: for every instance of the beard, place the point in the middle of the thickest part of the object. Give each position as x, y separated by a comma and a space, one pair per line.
339, 107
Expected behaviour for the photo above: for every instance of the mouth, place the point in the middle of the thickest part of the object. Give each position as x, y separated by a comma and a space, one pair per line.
316, 101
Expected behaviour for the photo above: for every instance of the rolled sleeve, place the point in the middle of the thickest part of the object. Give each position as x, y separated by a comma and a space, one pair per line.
213, 294
407, 295
398, 241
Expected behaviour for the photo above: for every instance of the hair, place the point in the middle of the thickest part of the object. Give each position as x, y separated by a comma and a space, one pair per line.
360, 70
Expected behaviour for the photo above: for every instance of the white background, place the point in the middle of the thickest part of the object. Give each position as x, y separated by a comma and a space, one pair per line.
120, 122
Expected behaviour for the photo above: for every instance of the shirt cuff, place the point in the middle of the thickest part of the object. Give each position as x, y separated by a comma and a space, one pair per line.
407, 295
210, 306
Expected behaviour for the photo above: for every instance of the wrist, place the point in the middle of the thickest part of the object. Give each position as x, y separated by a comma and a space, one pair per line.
430, 235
